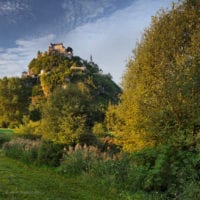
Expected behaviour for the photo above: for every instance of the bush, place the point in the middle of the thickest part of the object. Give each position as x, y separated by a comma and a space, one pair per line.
29, 128
29, 149
50, 153
73, 161
191, 191
98, 129
107, 143
121, 170
88, 139
164, 169
87, 159
3, 138
141, 195
30, 136
22, 149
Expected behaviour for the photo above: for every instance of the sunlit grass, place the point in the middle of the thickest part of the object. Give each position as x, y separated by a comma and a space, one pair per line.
19, 181
8, 132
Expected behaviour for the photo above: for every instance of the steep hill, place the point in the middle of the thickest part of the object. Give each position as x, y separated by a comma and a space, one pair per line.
55, 70
69, 96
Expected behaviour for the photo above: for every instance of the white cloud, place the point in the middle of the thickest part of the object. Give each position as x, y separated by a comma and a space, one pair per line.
111, 40
15, 60
84, 10
10, 7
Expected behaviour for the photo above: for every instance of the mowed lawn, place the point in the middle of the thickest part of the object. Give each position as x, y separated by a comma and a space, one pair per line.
19, 181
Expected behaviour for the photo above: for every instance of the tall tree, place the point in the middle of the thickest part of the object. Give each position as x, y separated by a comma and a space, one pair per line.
161, 98
66, 115
14, 101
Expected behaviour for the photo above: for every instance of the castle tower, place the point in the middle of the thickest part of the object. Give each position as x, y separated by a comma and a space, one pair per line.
91, 59
59, 49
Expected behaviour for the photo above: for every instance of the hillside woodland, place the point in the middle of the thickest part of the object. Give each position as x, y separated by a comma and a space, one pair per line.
59, 98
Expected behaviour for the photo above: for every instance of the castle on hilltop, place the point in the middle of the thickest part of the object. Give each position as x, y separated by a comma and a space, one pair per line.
60, 49
56, 49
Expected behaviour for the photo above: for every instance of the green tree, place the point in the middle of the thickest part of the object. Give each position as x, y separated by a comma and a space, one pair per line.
161, 99
66, 115
70, 96
15, 98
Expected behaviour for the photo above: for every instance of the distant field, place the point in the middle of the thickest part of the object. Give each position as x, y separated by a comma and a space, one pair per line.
20, 182
6, 131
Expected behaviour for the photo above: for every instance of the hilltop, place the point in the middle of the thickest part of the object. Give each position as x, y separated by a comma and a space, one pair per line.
59, 66
66, 96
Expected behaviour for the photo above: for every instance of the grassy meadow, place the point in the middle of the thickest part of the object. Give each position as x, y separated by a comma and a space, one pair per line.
7, 132
5, 135
20, 181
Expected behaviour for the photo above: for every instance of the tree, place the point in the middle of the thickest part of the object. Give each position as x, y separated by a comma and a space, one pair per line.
161, 99
15, 99
69, 97
66, 115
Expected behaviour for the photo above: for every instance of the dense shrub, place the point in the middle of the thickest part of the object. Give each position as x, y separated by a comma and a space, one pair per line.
88, 159
30, 149
3, 138
165, 169
163, 172
50, 153
29, 128
22, 149
191, 190
30, 136
88, 139
107, 143
73, 161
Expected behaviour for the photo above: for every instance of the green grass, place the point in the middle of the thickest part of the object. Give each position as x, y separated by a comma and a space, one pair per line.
19, 181
8, 132
5, 136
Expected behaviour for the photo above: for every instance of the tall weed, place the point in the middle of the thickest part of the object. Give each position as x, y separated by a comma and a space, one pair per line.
3, 139
22, 149
88, 159
50, 153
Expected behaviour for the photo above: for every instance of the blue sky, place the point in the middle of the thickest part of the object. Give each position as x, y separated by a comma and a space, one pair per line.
106, 29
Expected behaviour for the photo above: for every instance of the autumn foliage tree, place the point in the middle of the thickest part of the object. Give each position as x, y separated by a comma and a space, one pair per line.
161, 99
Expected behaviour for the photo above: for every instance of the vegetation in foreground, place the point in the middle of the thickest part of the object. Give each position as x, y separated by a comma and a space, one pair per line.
164, 172
5, 135
20, 181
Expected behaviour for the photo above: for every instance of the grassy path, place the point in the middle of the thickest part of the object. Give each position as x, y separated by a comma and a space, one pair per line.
20, 182
6, 131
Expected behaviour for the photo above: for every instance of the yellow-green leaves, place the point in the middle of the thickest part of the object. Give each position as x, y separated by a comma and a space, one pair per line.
161, 101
